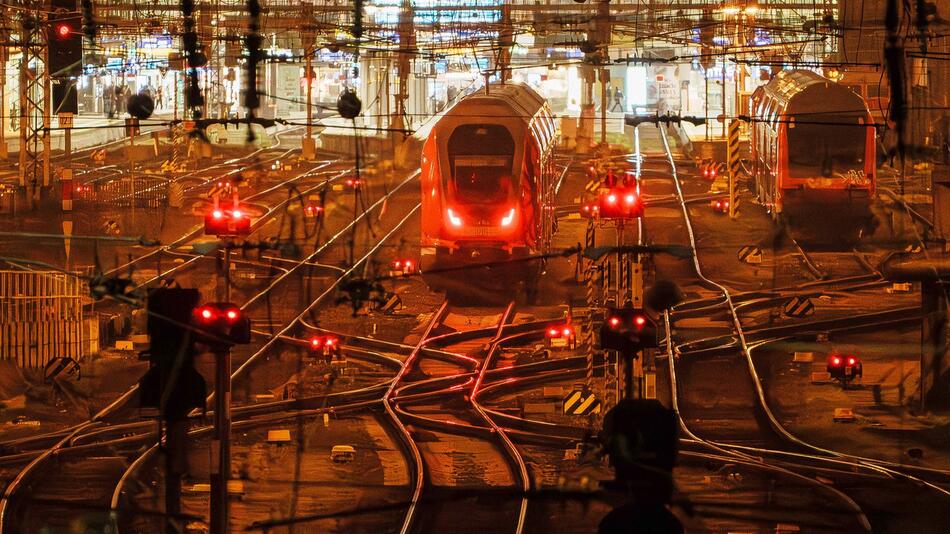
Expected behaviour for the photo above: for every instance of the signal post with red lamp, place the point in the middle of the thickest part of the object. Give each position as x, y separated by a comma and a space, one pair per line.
561, 336
628, 331
327, 346
227, 221
720, 206
844, 368
402, 267
221, 325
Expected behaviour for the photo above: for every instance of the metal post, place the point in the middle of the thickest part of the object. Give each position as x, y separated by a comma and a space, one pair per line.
221, 444
309, 93
131, 132
176, 432
723, 97
308, 145
628, 389
227, 272
604, 77
175, 83
68, 142
619, 282
3, 97
47, 123
706, 103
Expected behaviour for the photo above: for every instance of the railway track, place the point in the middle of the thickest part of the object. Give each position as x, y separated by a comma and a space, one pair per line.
12, 504
733, 424
409, 414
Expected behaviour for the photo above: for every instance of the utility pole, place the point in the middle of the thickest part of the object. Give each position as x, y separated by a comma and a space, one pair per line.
221, 325
221, 444
34, 102
505, 42
4, 36
309, 147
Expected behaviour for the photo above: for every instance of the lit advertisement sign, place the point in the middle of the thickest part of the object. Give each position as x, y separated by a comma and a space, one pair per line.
429, 12
158, 41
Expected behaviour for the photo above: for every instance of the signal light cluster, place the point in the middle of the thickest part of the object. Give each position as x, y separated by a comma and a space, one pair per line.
628, 330
227, 221
354, 183
720, 205
221, 324
326, 345
844, 367
313, 210
709, 170
561, 336
620, 203
401, 267
63, 30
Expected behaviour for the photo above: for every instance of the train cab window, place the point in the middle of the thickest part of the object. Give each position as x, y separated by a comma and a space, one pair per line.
481, 158
833, 145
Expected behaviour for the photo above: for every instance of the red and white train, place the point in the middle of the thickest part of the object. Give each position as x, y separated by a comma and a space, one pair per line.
488, 187
813, 147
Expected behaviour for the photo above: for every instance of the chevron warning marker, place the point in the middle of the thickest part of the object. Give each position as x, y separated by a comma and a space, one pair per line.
750, 254
579, 402
798, 307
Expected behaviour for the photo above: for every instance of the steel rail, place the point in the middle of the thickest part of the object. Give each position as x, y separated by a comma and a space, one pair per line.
195, 231
18, 481
513, 454
861, 516
416, 465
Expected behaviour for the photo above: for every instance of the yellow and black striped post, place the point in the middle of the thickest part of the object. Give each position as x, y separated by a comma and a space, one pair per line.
589, 240
732, 157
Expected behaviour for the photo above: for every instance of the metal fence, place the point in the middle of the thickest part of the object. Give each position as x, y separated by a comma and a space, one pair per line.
41, 317
143, 192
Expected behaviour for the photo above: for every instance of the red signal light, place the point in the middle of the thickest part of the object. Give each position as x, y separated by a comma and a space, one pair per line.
206, 313
850, 361
630, 198
612, 198
316, 342
614, 322
217, 214
331, 341
237, 214
232, 314
552, 332
568, 331
640, 321
836, 361
63, 30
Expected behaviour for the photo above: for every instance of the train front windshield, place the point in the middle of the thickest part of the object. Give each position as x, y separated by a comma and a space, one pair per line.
481, 159
829, 146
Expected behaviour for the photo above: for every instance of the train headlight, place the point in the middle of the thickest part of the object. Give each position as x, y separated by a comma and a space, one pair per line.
454, 219
509, 218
